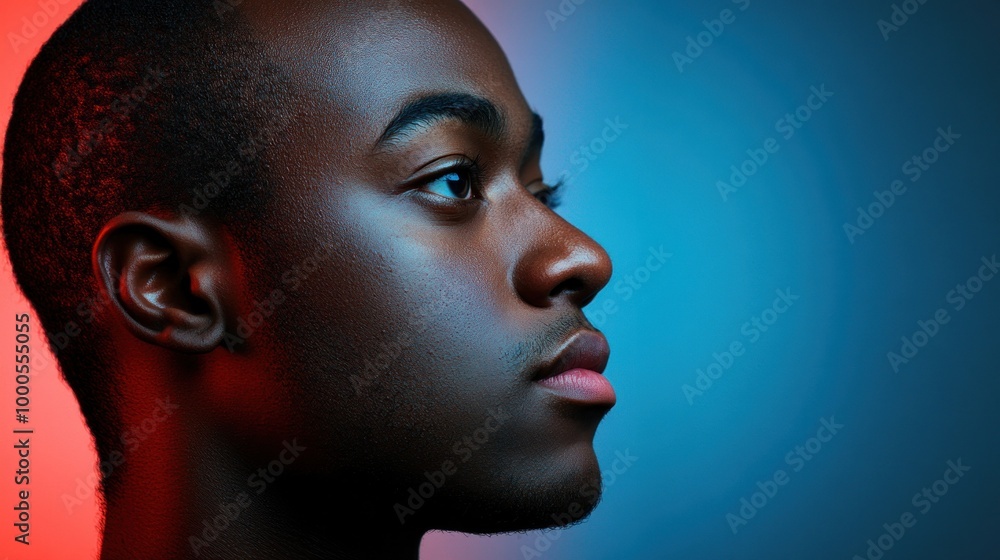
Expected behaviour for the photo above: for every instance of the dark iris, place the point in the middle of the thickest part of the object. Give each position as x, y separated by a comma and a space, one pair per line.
454, 184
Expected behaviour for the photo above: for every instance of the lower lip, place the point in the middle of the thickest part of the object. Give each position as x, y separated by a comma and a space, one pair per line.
581, 385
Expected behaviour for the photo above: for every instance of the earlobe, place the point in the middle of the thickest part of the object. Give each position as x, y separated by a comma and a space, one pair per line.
164, 276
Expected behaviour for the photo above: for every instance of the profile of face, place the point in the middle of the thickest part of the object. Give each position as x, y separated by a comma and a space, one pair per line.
412, 318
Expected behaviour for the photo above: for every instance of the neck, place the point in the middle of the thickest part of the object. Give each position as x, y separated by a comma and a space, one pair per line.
178, 488
167, 506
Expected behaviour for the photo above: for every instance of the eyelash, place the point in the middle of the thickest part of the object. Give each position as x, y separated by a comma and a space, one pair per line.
550, 196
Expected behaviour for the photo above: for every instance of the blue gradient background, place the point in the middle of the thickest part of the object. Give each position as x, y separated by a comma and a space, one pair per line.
827, 356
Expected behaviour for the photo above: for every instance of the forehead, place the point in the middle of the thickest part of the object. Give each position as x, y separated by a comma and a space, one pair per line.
359, 63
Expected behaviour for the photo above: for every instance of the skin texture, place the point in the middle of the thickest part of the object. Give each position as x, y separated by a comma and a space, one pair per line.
396, 319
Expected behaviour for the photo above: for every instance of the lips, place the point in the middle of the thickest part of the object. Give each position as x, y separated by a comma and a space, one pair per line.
575, 373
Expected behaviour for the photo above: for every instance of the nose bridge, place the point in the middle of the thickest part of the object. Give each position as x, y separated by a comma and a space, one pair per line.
557, 260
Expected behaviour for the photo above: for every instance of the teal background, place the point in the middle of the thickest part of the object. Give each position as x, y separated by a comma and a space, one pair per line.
655, 186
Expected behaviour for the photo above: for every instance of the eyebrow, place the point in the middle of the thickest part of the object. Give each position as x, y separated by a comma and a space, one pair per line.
469, 109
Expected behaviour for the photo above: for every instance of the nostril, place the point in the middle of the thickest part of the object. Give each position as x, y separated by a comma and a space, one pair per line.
572, 285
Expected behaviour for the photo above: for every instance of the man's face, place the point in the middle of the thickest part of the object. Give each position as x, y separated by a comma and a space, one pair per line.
426, 285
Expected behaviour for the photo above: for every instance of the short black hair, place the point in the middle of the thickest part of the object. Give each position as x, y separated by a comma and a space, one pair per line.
159, 106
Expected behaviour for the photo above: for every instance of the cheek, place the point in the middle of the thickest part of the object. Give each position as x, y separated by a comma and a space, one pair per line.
396, 345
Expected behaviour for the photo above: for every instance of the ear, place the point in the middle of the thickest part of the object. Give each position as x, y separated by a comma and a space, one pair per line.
165, 277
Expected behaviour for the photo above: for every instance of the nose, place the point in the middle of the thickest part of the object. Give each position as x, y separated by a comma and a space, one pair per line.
561, 262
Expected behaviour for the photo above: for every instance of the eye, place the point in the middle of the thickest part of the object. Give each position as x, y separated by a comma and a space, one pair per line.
455, 183
551, 196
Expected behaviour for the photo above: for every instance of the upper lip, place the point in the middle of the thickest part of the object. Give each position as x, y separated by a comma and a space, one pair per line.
585, 349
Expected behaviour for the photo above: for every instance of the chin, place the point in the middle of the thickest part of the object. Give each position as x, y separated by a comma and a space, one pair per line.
558, 491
